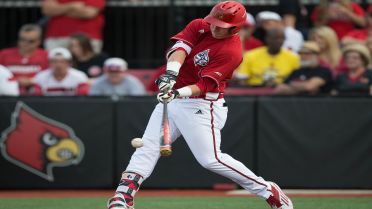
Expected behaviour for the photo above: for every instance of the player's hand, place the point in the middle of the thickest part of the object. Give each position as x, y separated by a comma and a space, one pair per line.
166, 82
166, 97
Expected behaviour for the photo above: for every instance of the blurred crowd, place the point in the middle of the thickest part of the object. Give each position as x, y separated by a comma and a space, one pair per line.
332, 57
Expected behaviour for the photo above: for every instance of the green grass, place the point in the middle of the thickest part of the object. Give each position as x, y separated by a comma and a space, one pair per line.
184, 203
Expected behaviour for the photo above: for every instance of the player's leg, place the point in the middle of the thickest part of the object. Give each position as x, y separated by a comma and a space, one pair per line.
143, 160
204, 141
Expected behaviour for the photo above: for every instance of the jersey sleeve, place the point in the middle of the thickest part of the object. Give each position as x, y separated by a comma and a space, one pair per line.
190, 33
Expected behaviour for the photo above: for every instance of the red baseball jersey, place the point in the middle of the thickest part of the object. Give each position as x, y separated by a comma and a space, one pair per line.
22, 66
63, 26
208, 57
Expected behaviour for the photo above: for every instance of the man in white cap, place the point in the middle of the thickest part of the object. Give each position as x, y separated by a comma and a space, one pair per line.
269, 20
116, 81
60, 79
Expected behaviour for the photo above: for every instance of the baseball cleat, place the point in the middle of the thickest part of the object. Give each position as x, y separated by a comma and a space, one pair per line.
118, 202
278, 200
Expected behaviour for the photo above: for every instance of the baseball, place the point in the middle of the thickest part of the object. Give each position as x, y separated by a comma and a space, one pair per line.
137, 142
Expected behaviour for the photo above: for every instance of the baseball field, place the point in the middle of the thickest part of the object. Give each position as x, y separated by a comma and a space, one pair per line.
177, 200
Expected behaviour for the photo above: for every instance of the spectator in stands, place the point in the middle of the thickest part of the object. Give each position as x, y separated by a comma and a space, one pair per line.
116, 82
270, 20
291, 11
71, 16
360, 35
358, 79
8, 83
246, 34
268, 65
84, 57
60, 79
341, 15
369, 46
330, 52
27, 59
311, 78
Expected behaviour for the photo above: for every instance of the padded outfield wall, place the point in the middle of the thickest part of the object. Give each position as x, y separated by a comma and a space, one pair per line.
298, 142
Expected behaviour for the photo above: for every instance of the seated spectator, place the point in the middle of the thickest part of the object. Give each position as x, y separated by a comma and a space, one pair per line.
115, 82
246, 34
360, 35
60, 79
369, 46
341, 15
85, 59
330, 52
270, 20
8, 83
311, 78
27, 59
67, 17
357, 79
268, 65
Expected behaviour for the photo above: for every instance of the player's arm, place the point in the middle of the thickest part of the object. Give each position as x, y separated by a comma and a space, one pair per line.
52, 8
175, 60
310, 86
284, 89
83, 12
204, 85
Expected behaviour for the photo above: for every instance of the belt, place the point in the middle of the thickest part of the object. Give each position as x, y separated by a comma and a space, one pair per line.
211, 96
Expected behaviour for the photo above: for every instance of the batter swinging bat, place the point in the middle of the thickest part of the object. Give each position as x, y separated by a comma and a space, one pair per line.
165, 140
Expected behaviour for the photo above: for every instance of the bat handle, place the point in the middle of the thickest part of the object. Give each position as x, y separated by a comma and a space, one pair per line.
165, 144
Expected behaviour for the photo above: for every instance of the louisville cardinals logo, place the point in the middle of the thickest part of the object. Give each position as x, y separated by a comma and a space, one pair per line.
202, 58
37, 143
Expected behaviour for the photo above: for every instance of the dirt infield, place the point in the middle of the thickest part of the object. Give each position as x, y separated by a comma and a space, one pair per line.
161, 193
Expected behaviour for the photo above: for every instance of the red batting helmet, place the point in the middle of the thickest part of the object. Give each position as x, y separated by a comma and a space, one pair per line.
227, 14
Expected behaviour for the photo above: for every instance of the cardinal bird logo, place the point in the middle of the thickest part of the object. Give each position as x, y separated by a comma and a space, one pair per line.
38, 144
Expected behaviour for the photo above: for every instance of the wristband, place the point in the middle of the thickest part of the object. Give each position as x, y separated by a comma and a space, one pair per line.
173, 67
185, 92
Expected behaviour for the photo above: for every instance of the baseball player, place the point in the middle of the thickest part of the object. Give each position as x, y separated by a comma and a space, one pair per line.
199, 64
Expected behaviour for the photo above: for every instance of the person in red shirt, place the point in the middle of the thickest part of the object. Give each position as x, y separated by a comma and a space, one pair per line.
341, 15
360, 35
199, 64
71, 16
27, 59
246, 34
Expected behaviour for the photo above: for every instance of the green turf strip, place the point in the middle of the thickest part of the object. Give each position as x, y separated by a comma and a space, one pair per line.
184, 203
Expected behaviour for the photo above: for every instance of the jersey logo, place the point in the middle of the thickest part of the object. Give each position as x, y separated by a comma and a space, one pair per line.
201, 58
201, 31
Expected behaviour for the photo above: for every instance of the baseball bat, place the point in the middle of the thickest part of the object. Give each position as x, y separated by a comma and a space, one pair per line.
165, 140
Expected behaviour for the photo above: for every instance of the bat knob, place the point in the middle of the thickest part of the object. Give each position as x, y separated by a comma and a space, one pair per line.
165, 152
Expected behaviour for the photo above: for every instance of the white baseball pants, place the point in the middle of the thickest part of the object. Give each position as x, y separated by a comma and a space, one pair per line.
200, 123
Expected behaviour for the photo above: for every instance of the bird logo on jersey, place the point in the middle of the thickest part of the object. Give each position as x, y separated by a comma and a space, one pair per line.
201, 58
37, 143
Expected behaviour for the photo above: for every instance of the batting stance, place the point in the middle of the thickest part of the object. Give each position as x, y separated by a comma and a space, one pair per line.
200, 63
